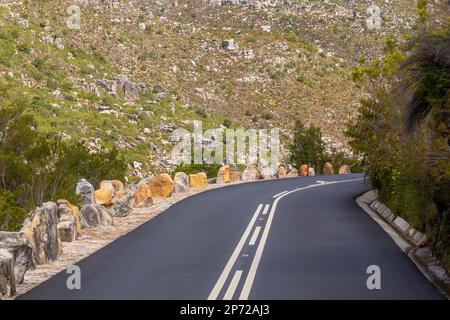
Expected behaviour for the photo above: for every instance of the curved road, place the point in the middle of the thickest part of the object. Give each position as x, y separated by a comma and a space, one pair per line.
293, 238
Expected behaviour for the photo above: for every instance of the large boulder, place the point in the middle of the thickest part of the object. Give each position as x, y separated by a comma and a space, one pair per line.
293, 173
282, 172
181, 180
311, 172
304, 170
67, 225
224, 174
161, 186
7, 278
74, 210
41, 233
123, 204
114, 186
251, 173
198, 180
93, 216
345, 169
142, 196
236, 175
268, 171
86, 191
22, 256
328, 169
103, 196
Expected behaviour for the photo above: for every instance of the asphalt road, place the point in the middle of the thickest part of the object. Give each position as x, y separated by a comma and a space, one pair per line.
242, 242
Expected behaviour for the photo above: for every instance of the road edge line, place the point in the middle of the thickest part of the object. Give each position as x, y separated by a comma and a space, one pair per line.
405, 245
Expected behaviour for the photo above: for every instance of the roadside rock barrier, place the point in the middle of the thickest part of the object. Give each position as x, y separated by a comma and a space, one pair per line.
7, 278
304, 170
328, 169
224, 175
93, 216
251, 173
142, 196
103, 196
199, 180
293, 173
22, 255
181, 180
282, 172
41, 233
67, 225
123, 205
161, 186
86, 191
345, 169
236, 175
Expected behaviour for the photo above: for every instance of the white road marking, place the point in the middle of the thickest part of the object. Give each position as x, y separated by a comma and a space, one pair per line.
266, 209
279, 194
226, 271
259, 251
254, 236
233, 285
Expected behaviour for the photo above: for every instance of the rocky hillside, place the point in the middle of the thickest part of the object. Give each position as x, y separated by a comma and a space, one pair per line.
136, 70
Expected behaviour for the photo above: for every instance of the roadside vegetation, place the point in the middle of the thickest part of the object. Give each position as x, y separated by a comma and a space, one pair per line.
402, 131
37, 167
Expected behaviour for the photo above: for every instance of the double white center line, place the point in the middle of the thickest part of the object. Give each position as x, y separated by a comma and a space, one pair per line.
259, 251
226, 271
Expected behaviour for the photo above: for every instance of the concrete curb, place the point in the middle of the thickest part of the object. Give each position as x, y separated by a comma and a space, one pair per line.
412, 242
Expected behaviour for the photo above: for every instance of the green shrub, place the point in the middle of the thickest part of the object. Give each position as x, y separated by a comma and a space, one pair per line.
11, 215
307, 147
210, 169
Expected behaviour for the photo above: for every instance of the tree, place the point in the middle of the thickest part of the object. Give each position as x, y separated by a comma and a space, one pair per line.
307, 147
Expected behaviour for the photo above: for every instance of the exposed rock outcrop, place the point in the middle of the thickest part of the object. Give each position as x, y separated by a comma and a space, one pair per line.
121, 84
